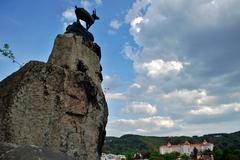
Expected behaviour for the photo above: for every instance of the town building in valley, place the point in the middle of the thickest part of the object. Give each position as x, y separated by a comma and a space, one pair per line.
186, 148
112, 157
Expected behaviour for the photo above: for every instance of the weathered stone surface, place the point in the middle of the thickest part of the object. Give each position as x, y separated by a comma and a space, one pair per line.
59, 105
73, 52
78, 29
29, 152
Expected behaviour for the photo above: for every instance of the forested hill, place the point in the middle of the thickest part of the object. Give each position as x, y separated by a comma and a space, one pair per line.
143, 144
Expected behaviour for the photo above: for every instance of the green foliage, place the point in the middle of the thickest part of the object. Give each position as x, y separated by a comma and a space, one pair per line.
171, 156
129, 156
155, 156
227, 154
225, 145
184, 157
168, 156
217, 153
127, 143
5, 51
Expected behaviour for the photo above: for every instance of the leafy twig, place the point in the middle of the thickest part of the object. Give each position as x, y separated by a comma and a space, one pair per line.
9, 54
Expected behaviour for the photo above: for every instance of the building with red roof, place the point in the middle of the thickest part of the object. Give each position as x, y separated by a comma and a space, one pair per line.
186, 148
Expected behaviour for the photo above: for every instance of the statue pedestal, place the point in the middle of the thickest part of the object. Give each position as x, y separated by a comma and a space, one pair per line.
78, 29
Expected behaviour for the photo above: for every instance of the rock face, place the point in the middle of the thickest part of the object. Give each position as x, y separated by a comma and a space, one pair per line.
29, 152
78, 29
59, 104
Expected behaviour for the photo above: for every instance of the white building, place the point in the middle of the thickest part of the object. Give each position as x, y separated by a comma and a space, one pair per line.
112, 157
185, 148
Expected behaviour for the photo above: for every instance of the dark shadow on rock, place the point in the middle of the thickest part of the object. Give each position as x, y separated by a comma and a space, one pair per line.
28, 152
78, 29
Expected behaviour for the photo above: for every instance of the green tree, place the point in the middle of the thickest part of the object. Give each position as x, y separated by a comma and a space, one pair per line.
229, 154
129, 155
5, 51
233, 157
171, 156
217, 153
156, 156
184, 157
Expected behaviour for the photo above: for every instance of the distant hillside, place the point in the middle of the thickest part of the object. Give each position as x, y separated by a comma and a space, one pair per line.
136, 143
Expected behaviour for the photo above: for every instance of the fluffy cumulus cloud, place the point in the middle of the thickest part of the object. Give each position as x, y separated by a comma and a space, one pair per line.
158, 67
115, 24
69, 14
112, 83
216, 110
115, 96
129, 51
141, 125
137, 10
135, 85
98, 2
185, 57
187, 97
87, 4
140, 108
164, 122
135, 24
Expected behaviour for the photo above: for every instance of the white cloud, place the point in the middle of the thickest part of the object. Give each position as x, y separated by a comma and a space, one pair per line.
135, 24
98, 2
129, 51
69, 14
115, 96
115, 24
86, 4
138, 8
184, 55
150, 122
171, 19
188, 97
139, 130
150, 126
234, 95
159, 67
140, 108
207, 111
135, 85
216, 110
151, 89
107, 77
112, 83
212, 13
111, 32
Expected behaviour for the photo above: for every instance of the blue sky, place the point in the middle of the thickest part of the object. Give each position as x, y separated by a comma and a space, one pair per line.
171, 67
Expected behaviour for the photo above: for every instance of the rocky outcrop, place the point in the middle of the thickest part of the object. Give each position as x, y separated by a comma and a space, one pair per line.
59, 104
29, 152
78, 29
